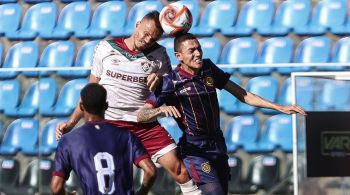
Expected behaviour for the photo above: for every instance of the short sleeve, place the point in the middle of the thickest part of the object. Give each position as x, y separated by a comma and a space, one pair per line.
220, 77
62, 166
138, 151
97, 67
165, 66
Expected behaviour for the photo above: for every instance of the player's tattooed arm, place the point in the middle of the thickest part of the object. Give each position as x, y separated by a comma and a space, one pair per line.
149, 113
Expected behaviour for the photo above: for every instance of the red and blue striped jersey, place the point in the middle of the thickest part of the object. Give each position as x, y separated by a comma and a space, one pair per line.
194, 96
102, 156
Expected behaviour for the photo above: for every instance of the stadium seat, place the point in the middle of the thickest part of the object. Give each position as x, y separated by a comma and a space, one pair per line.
1, 53
48, 142
278, 50
1, 131
108, 16
254, 15
39, 95
263, 172
264, 86
39, 18
340, 54
168, 43
136, 13
10, 17
171, 126
216, 16
57, 54
8, 1
277, 133
239, 51
10, 91
84, 59
36, 1
289, 15
235, 164
9, 175
74, 17
67, 99
325, 15
304, 92
37, 178
241, 131
211, 48
312, 50
21, 135
20, 55
228, 102
334, 95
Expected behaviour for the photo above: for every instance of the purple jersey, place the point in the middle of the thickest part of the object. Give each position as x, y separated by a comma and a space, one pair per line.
102, 156
195, 96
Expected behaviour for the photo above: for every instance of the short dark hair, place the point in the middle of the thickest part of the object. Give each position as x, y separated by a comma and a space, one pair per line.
181, 38
154, 15
93, 97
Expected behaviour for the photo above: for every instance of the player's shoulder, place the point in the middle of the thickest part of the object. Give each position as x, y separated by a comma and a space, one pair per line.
156, 48
207, 62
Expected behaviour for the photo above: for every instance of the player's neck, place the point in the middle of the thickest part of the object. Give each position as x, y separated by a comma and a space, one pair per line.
129, 42
93, 118
189, 70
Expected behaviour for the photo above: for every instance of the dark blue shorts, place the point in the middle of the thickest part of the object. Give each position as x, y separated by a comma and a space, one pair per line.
206, 160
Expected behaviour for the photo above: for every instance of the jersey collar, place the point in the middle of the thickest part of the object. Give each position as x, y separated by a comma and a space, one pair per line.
183, 72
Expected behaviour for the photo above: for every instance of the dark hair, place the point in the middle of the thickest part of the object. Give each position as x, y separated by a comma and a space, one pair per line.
181, 38
93, 97
154, 15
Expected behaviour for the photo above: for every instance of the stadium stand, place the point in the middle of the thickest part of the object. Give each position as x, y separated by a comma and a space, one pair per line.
227, 102
10, 17
20, 136
9, 175
48, 143
9, 94
211, 48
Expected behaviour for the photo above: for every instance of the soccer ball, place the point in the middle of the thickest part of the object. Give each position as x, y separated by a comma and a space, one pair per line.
175, 19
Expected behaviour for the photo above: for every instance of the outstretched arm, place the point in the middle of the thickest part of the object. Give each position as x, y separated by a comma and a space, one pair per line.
255, 100
65, 127
148, 112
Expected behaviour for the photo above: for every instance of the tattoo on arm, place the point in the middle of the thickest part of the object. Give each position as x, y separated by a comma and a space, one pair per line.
147, 114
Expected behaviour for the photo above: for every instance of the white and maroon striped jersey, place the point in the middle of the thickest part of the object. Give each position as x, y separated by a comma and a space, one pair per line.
124, 73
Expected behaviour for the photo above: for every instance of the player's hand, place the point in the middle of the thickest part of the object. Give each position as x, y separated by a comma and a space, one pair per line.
62, 128
170, 111
153, 81
292, 109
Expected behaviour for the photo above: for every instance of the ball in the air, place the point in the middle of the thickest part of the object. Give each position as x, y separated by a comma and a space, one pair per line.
175, 19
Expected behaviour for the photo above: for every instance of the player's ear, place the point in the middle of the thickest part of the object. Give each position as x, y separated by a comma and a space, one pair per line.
178, 56
106, 106
81, 106
138, 23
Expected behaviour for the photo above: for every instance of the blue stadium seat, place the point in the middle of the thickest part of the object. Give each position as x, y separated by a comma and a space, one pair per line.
8, 1
235, 164
20, 55
277, 133
168, 43
36, 1
74, 17
9, 174
136, 13
275, 50
21, 135
38, 19
289, 15
39, 95
341, 53
57, 54
48, 142
228, 102
241, 131
216, 16
10, 17
239, 51
107, 17
171, 126
254, 15
194, 8
1, 53
211, 48
67, 99
325, 15
304, 92
1, 130
334, 95
83, 59
70, 1
264, 86
10, 91
312, 50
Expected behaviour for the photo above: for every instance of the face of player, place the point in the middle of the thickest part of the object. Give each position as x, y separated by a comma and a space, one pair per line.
190, 55
146, 34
